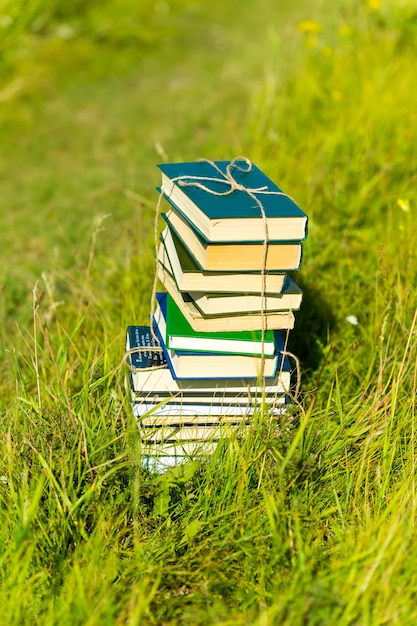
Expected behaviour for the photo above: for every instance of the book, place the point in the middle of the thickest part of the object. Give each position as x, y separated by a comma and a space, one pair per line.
213, 432
149, 354
181, 412
240, 392
194, 364
188, 275
156, 385
188, 364
174, 452
221, 304
189, 429
180, 418
159, 383
236, 215
273, 320
232, 256
245, 399
181, 336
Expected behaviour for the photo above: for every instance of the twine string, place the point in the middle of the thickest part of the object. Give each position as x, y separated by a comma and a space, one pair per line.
297, 371
139, 350
241, 164
157, 347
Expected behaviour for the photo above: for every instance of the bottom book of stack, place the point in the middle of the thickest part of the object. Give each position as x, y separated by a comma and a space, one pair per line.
180, 418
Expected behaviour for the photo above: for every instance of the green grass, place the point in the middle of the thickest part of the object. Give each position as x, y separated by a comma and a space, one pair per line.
316, 526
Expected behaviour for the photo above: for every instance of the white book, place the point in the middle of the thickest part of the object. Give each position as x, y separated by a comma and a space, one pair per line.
216, 396
161, 381
154, 420
192, 432
177, 449
184, 410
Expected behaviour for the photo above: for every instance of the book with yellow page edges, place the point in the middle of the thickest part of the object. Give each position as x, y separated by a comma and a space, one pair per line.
174, 257
229, 255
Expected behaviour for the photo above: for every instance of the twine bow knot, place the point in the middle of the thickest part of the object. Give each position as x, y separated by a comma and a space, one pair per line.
227, 178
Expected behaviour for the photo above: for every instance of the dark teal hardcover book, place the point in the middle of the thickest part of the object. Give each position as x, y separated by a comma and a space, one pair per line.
223, 211
205, 240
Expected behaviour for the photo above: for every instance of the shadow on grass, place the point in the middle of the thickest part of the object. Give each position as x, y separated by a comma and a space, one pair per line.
308, 340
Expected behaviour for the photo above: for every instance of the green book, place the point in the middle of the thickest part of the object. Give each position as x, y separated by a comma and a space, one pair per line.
181, 336
234, 216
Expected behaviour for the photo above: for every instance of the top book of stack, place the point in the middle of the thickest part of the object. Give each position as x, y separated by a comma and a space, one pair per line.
238, 216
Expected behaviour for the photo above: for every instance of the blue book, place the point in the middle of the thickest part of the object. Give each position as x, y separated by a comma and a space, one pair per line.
147, 356
234, 216
189, 364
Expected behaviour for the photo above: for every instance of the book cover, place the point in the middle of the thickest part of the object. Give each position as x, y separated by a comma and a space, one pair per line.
216, 214
181, 336
141, 337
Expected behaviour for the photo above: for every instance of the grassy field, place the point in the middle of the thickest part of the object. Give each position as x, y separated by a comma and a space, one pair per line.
317, 526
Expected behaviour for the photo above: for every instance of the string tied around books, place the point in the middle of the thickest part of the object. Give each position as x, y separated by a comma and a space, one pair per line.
140, 350
241, 164
244, 165
226, 178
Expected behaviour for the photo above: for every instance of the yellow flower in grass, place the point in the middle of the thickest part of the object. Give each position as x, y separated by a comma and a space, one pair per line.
374, 4
309, 27
404, 204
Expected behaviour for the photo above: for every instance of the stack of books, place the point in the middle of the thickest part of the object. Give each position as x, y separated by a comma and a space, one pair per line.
214, 353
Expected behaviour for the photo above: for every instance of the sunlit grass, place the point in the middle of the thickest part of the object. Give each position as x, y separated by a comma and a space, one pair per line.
315, 526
